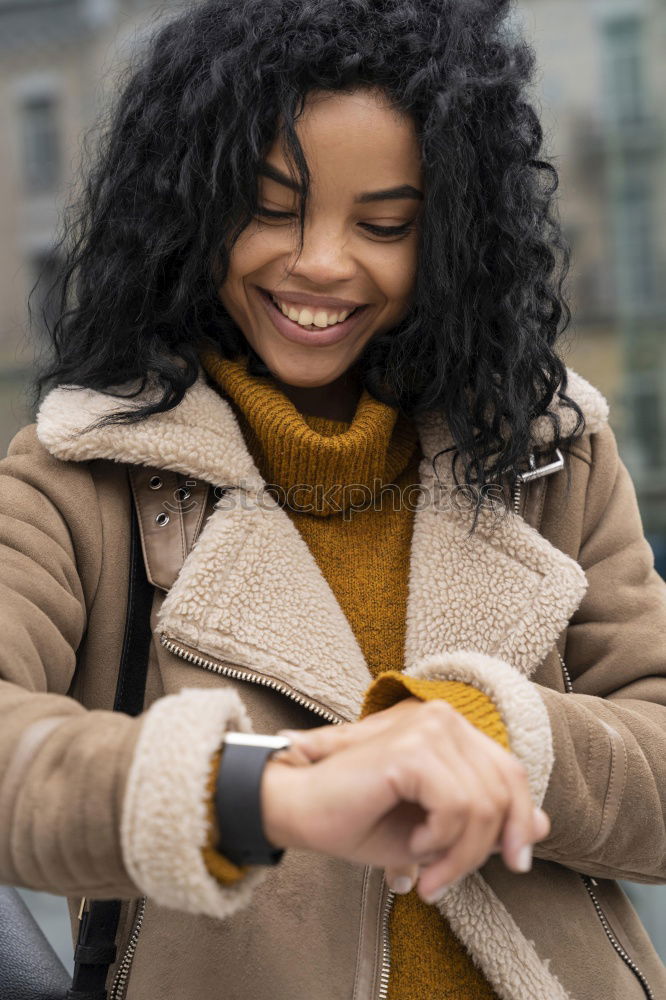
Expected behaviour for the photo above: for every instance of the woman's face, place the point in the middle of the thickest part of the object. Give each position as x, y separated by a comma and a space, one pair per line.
365, 170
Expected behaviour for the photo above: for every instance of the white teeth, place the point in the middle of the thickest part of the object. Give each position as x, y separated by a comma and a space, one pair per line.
306, 317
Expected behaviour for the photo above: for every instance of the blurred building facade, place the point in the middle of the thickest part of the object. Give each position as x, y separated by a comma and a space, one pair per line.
59, 60
601, 91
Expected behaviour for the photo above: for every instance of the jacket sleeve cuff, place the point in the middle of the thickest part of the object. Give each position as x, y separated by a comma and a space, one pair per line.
393, 686
521, 707
165, 822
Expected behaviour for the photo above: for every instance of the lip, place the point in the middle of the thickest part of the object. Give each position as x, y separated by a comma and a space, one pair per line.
317, 301
298, 334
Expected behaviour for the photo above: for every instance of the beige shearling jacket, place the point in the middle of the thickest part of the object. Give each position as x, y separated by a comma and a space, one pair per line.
553, 609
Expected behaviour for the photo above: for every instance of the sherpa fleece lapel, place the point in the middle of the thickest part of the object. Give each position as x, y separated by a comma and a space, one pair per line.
251, 593
504, 590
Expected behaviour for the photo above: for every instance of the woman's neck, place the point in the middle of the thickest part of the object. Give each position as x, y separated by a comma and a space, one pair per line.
336, 401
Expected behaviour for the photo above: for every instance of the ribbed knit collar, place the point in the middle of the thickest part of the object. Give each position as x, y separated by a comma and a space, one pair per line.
319, 455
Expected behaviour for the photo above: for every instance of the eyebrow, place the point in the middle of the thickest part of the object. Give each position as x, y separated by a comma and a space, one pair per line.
403, 191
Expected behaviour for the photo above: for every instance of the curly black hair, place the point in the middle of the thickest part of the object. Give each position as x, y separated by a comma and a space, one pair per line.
174, 183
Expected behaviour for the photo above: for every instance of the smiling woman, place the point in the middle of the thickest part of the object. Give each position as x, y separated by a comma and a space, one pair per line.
309, 312
267, 179
305, 393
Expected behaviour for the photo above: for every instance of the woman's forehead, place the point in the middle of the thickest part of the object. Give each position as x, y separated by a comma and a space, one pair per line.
353, 140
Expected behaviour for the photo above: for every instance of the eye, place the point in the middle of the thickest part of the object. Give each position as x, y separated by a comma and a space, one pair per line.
271, 213
389, 231
385, 232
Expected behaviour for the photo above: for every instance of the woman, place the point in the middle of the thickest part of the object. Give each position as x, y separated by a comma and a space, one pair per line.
312, 303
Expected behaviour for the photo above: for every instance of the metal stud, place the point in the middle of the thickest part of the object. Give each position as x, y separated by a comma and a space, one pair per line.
155, 483
162, 519
181, 494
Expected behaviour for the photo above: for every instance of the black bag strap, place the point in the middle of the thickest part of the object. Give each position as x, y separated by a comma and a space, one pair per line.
96, 944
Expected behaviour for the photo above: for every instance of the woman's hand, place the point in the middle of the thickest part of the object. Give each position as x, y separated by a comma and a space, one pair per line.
415, 784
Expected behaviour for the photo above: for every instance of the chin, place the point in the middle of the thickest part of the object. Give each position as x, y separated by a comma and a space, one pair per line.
307, 371
300, 380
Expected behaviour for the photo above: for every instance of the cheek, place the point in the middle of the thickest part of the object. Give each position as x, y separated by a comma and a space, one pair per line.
258, 246
248, 256
396, 276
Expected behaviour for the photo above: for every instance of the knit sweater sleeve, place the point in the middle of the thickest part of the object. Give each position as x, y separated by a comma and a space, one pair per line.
392, 686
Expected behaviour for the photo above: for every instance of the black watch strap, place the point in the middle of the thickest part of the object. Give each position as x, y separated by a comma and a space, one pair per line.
238, 799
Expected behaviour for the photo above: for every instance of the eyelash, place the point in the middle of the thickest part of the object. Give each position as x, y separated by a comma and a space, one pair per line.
399, 231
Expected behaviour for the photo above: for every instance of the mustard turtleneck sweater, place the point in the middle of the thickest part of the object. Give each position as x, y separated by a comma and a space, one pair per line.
341, 468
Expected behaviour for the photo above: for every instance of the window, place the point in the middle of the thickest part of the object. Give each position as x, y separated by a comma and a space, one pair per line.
623, 39
646, 411
635, 236
41, 143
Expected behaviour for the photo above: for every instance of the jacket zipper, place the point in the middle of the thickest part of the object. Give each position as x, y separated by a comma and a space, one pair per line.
235, 671
517, 484
534, 472
122, 973
589, 882
386, 946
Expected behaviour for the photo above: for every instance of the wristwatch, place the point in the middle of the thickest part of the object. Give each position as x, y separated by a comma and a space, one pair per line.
238, 798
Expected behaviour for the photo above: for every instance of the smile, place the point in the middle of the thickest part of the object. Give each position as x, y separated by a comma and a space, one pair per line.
310, 316
308, 324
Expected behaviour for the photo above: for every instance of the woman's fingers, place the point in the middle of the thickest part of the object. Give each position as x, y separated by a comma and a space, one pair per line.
470, 797
509, 776
316, 744
293, 755
402, 880
484, 809
541, 821
517, 836
442, 870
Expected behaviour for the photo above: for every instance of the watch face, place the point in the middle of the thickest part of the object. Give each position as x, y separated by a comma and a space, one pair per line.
258, 740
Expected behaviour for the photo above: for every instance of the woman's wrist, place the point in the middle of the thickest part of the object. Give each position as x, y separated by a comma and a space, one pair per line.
277, 792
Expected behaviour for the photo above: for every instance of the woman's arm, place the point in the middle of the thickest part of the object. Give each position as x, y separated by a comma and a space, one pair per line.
607, 791
93, 803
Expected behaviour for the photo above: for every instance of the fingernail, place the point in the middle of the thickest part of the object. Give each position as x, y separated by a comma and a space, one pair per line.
524, 858
542, 821
433, 896
402, 884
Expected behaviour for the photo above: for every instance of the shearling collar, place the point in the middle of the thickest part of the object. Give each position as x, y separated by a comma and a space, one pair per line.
505, 591
188, 438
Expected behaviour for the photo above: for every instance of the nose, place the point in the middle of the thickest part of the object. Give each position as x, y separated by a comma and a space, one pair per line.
325, 258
